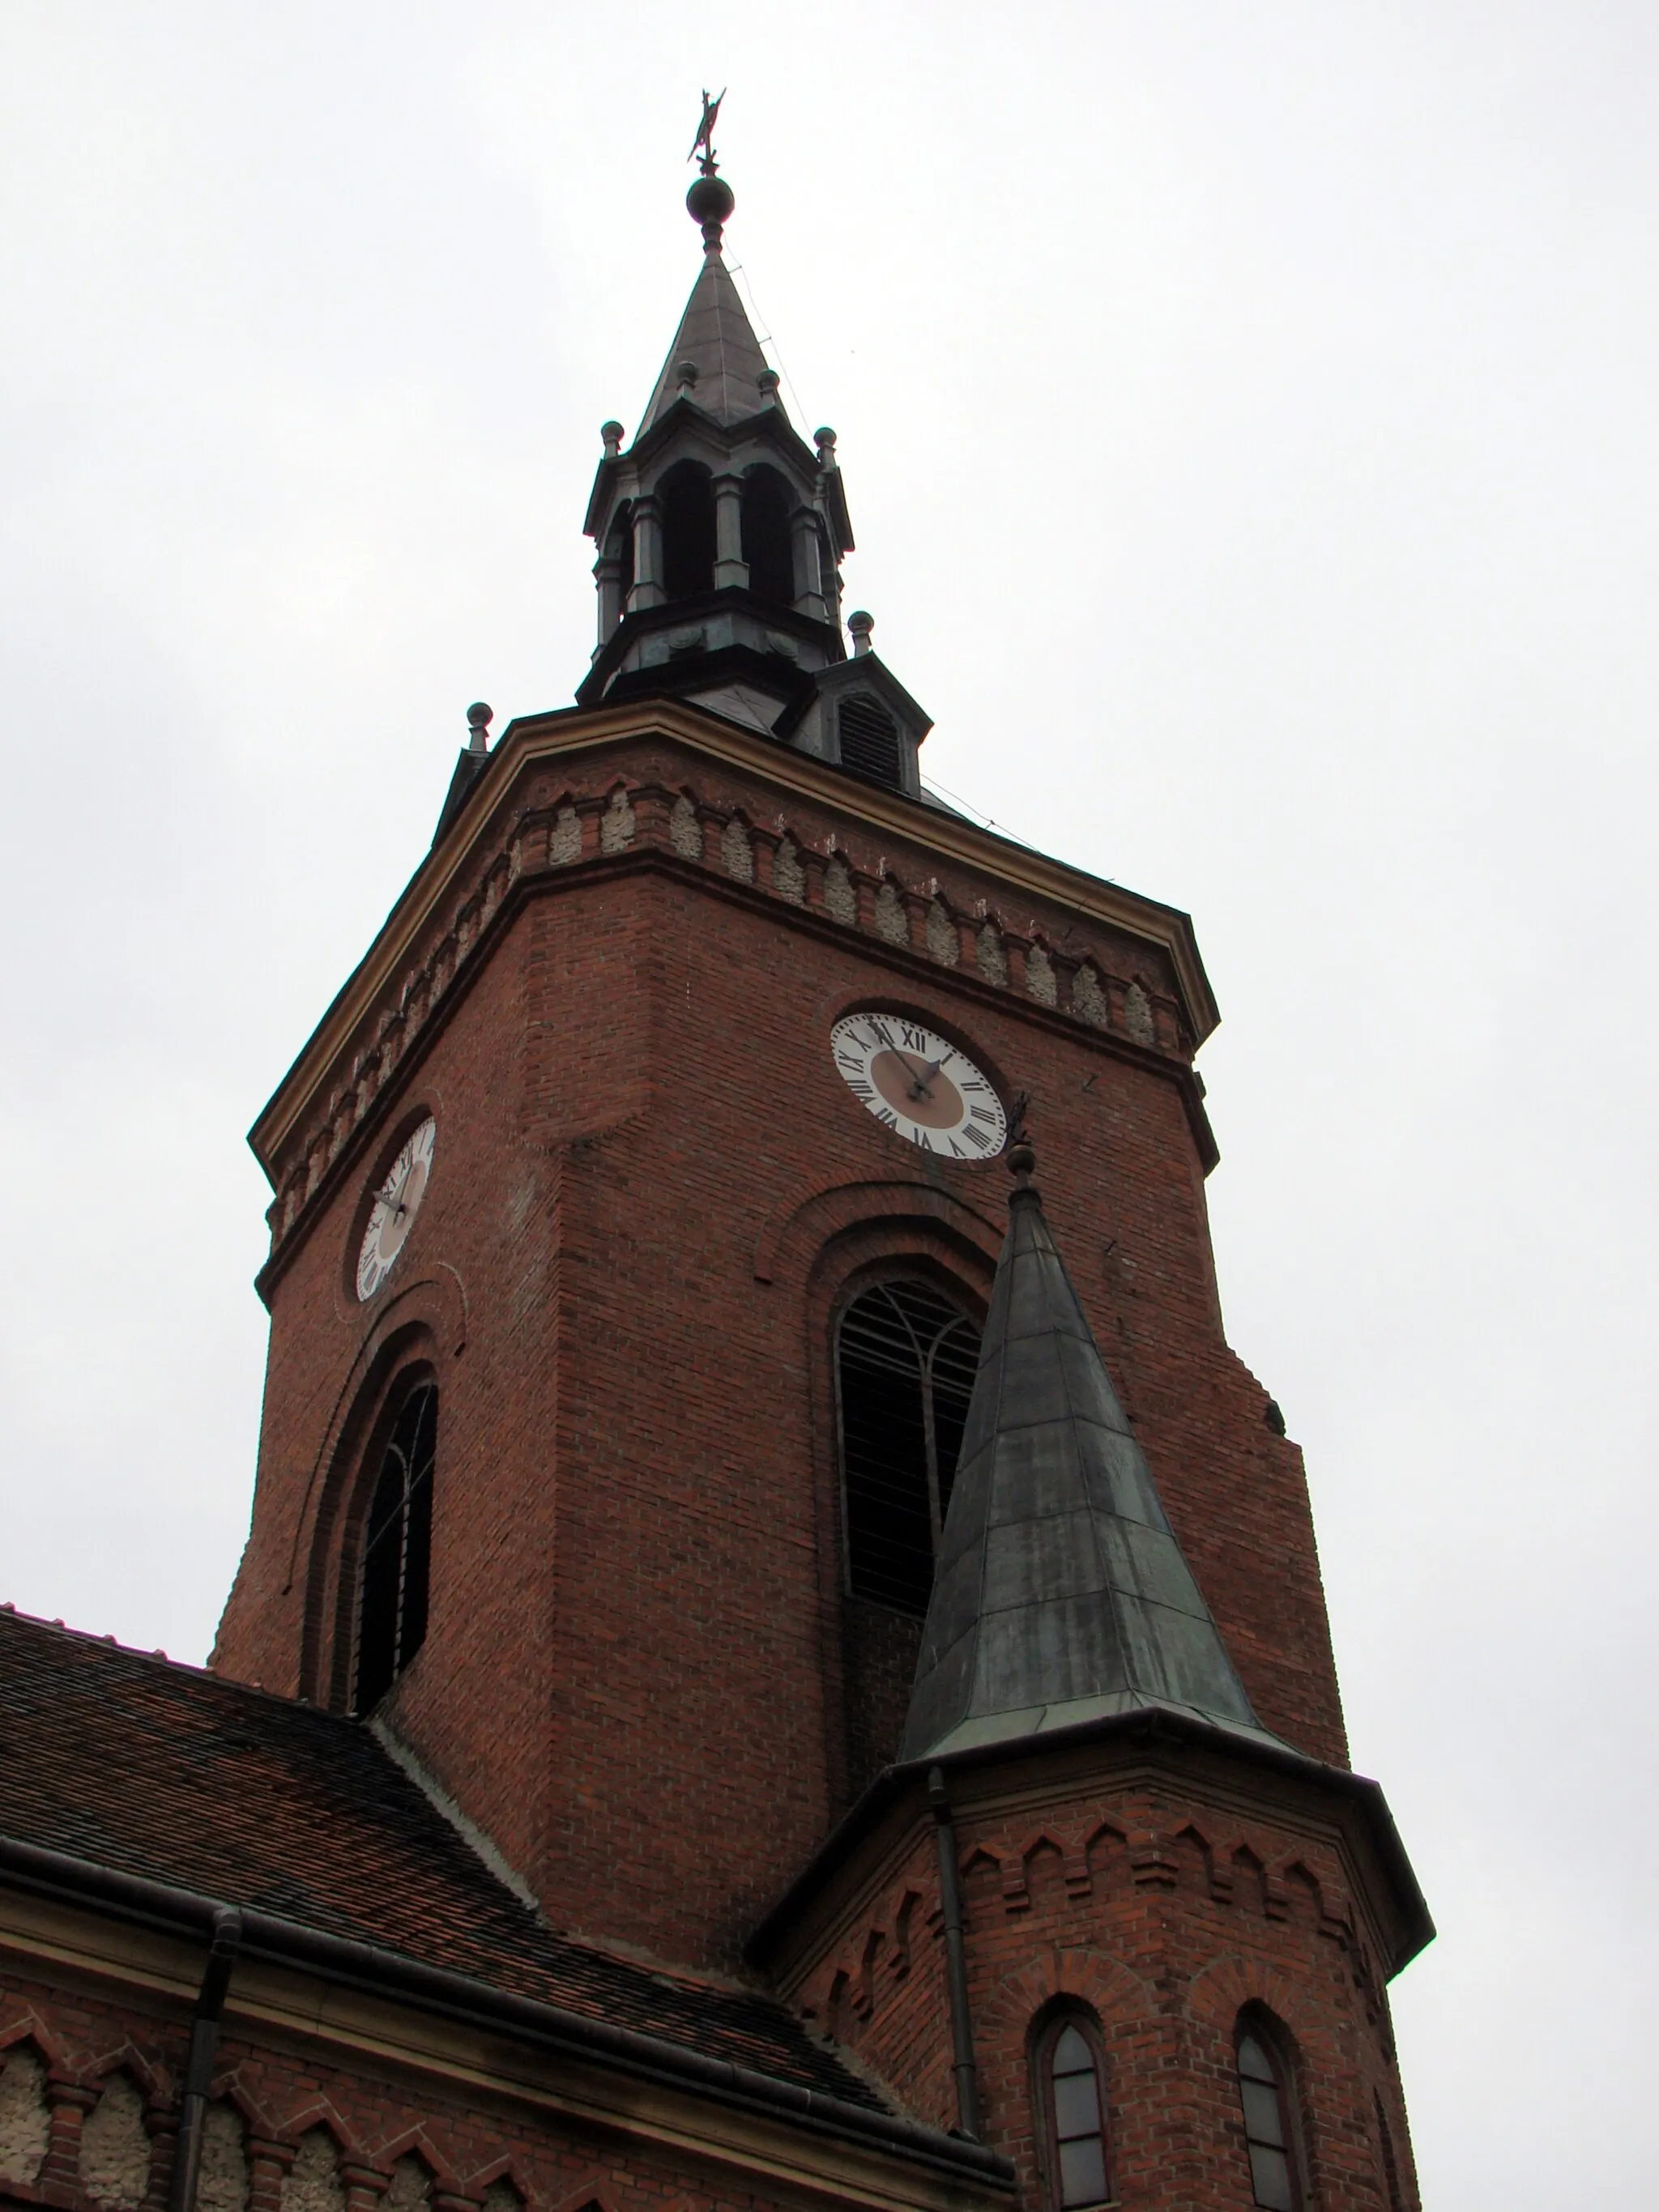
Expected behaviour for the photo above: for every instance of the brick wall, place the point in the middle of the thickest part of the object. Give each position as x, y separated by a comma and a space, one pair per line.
650, 1190
297, 2126
1160, 1903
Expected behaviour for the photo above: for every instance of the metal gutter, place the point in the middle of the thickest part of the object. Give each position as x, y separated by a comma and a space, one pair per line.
457, 1997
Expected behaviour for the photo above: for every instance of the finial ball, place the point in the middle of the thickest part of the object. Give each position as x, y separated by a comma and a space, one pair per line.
478, 716
710, 199
1022, 1159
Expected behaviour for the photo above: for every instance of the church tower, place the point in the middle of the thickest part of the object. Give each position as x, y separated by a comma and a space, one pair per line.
792, 1554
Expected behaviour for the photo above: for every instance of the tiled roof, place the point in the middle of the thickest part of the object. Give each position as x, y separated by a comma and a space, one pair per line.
163, 1771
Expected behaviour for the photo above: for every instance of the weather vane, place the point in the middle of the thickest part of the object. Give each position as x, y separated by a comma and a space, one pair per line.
705, 136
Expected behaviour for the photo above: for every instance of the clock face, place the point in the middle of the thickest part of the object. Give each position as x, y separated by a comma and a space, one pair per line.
396, 1202
920, 1086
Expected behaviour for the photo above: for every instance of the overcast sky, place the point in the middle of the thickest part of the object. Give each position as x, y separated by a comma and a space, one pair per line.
1247, 414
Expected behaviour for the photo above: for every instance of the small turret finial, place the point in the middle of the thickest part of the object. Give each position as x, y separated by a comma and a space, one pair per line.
1022, 1153
478, 720
860, 624
710, 199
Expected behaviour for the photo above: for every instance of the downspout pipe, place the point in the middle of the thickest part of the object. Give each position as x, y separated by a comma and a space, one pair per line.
203, 2049
445, 1994
965, 2067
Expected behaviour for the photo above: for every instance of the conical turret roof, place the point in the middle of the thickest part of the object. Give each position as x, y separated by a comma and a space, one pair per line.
1061, 1595
717, 337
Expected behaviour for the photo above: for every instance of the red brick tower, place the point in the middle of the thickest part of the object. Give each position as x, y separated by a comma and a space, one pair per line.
640, 1205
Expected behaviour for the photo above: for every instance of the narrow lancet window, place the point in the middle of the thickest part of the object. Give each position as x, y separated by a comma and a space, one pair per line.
397, 1556
905, 1368
1074, 2109
1264, 2092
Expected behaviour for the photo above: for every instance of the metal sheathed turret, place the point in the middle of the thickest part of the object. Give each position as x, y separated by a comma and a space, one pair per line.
716, 358
1061, 1595
720, 535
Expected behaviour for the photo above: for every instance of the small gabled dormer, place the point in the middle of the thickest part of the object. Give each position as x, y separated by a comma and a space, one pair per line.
861, 717
720, 536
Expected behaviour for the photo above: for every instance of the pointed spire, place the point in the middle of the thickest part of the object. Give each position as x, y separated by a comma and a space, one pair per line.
715, 343
1061, 1595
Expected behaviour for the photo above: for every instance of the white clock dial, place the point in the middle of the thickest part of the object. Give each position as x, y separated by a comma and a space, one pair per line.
920, 1086
396, 1202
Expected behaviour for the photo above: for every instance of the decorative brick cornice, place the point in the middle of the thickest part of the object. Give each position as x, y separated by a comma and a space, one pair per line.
541, 836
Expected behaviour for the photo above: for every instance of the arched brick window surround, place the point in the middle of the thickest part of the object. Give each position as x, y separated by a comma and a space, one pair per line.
406, 1358
1266, 2065
1069, 2114
837, 1243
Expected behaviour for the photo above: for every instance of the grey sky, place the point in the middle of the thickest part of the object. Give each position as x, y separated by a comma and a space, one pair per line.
1248, 416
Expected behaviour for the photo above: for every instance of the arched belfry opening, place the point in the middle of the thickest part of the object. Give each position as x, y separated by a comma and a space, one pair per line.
905, 1364
395, 1569
905, 1356
686, 495
767, 505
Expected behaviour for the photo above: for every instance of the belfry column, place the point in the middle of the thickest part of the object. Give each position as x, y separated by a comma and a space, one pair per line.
607, 576
808, 550
647, 590
731, 569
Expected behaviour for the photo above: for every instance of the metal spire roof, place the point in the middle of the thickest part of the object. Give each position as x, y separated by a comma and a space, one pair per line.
1061, 1595
716, 337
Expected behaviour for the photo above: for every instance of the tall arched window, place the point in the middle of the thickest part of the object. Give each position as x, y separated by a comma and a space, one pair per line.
905, 1364
766, 547
1070, 2100
1264, 2089
687, 494
397, 1555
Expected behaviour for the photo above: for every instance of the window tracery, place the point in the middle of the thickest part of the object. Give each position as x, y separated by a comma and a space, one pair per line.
905, 1364
395, 1575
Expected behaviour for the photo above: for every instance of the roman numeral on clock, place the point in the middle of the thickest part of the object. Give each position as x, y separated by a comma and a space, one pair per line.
897, 1068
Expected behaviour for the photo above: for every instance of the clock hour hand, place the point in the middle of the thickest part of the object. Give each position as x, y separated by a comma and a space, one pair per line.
920, 1086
